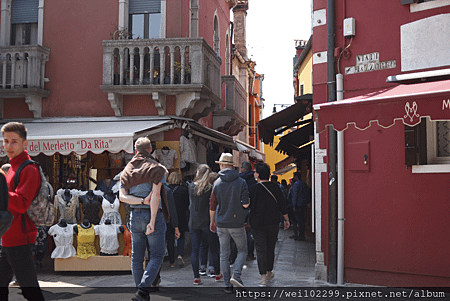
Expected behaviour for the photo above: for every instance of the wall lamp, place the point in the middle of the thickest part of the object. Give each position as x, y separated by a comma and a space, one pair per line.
281, 105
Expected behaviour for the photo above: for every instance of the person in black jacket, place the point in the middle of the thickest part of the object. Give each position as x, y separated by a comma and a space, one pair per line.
249, 176
181, 198
266, 204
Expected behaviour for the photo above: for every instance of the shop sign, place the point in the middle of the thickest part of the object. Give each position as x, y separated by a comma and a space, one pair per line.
446, 104
79, 146
370, 62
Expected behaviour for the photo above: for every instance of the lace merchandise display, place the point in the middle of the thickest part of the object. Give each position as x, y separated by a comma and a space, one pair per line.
109, 243
86, 239
63, 237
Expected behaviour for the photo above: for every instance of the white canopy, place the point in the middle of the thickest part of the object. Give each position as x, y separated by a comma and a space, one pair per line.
80, 135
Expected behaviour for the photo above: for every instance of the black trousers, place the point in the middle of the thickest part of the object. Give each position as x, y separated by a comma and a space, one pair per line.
265, 240
18, 261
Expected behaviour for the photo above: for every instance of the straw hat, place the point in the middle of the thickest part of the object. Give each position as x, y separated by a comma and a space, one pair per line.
226, 158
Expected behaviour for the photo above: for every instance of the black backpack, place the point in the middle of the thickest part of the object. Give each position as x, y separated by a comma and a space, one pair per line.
6, 217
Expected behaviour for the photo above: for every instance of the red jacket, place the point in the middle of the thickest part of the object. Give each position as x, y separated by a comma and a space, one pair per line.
19, 200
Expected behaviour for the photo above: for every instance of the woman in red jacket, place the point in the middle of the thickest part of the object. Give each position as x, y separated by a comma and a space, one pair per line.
17, 243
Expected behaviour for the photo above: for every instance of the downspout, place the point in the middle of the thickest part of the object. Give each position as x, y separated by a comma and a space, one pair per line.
332, 152
231, 48
340, 173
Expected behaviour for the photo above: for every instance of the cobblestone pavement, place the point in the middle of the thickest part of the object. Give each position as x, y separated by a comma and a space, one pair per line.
294, 279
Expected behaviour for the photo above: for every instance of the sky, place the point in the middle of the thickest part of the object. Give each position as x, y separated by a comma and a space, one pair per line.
272, 27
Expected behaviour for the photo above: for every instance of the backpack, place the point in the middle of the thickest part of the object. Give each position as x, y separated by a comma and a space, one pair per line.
41, 211
6, 217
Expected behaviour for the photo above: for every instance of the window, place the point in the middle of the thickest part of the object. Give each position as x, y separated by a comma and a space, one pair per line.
404, 2
145, 26
438, 142
24, 22
421, 5
427, 146
145, 19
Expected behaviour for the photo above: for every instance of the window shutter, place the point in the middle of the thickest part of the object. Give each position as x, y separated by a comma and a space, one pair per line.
416, 144
144, 7
24, 11
410, 145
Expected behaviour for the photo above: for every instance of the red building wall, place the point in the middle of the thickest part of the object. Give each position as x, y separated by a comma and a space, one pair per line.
74, 33
395, 221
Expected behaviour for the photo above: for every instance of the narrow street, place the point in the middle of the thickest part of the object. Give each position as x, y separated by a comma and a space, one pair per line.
294, 267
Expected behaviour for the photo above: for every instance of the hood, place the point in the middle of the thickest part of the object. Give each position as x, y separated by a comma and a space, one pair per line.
247, 175
228, 175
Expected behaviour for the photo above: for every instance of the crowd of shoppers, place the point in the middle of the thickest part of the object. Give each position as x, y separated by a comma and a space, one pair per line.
228, 215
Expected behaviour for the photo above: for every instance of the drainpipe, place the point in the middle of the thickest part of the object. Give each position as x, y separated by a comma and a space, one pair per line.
332, 152
231, 48
340, 173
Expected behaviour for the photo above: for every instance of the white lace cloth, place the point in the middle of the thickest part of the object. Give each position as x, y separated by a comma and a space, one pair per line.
166, 157
63, 237
109, 243
111, 212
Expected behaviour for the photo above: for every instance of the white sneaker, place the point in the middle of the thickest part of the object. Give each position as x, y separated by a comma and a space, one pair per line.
262, 283
237, 282
270, 275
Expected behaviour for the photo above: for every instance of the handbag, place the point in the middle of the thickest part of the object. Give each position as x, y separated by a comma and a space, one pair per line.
6, 217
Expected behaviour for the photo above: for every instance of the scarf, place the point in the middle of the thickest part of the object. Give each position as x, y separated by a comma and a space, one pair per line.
143, 169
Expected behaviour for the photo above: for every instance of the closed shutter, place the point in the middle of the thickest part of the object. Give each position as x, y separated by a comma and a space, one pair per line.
24, 11
144, 7
416, 144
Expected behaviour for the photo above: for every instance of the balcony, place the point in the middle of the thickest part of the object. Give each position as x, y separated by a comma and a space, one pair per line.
22, 70
186, 67
232, 119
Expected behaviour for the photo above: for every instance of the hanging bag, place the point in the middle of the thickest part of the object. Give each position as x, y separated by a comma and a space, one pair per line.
6, 217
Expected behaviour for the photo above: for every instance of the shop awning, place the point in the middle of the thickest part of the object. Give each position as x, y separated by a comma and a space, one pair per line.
80, 135
250, 150
407, 103
285, 169
285, 118
292, 143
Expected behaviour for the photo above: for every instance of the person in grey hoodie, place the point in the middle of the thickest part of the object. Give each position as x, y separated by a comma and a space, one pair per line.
228, 200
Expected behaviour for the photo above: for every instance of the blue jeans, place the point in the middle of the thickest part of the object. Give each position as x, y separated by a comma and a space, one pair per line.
240, 238
213, 242
156, 243
180, 244
205, 260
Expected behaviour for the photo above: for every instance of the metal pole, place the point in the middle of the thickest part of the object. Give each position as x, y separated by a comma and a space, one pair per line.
332, 151
340, 202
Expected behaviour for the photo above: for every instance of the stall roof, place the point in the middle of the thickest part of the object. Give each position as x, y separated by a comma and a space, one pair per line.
292, 142
113, 134
285, 118
250, 150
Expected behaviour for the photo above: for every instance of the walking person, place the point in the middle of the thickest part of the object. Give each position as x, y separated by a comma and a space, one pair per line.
199, 194
301, 196
267, 202
18, 242
141, 187
228, 200
181, 198
248, 175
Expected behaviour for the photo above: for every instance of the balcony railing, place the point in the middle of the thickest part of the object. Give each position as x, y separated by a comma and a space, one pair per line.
147, 65
233, 118
236, 98
22, 67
